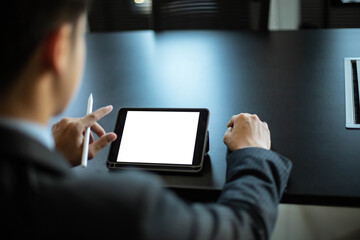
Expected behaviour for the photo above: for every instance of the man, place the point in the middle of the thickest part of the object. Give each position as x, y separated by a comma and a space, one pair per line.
41, 197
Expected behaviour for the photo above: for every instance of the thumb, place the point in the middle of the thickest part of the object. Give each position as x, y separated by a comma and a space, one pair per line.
99, 144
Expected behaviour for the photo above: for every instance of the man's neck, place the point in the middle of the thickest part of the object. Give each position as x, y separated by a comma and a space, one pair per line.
30, 103
24, 116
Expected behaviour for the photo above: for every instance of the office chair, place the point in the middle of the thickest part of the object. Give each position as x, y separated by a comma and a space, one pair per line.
210, 14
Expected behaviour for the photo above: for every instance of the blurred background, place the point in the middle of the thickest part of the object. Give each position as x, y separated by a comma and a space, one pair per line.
295, 221
119, 15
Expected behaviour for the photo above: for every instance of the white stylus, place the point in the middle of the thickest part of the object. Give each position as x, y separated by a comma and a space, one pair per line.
84, 158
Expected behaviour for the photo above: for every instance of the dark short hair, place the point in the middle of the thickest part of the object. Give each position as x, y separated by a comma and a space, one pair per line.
27, 24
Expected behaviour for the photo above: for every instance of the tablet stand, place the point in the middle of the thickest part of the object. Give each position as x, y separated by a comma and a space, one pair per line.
207, 142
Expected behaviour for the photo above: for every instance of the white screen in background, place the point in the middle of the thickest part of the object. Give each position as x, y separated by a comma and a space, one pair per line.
159, 137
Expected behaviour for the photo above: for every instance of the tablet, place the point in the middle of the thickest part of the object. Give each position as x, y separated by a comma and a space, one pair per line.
160, 139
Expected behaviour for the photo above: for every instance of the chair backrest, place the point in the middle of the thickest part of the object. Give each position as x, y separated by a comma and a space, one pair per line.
210, 14
118, 15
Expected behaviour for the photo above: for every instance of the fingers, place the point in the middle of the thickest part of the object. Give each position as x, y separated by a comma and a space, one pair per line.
91, 138
97, 129
247, 130
227, 134
90, 119
232, 121
68, 135
228, 131
234, 118
99, 144
255, 117
266, 125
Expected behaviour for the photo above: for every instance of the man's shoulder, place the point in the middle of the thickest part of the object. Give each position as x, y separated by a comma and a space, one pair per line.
19, 150
127, 185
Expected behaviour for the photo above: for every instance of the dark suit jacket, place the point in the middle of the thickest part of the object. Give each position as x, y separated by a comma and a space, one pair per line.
41, 198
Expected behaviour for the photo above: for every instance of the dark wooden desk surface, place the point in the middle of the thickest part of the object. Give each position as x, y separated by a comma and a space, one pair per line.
293, 80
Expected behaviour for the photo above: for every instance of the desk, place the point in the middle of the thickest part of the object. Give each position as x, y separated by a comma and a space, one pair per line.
293, 80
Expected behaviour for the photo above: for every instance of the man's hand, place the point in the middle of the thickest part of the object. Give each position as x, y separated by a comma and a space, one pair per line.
69, 134
246, 130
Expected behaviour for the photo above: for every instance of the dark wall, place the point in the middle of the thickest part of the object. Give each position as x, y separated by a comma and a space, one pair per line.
112, 15
328, 14
120, 15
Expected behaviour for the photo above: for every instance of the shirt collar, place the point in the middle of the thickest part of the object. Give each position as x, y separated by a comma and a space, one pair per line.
36, 131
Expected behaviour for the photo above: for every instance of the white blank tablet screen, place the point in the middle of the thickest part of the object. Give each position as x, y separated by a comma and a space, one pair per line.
159, 137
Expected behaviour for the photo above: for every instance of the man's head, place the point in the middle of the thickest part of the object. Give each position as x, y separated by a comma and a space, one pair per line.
43, 40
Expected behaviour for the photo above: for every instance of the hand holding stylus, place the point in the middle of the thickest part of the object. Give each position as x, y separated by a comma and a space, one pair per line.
69, 133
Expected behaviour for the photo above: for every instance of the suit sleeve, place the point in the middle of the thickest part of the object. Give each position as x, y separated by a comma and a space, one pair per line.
246, 209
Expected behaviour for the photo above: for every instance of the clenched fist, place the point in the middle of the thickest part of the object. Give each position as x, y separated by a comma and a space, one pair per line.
247, 130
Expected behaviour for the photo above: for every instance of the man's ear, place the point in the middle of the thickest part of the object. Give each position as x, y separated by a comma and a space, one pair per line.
57, 47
